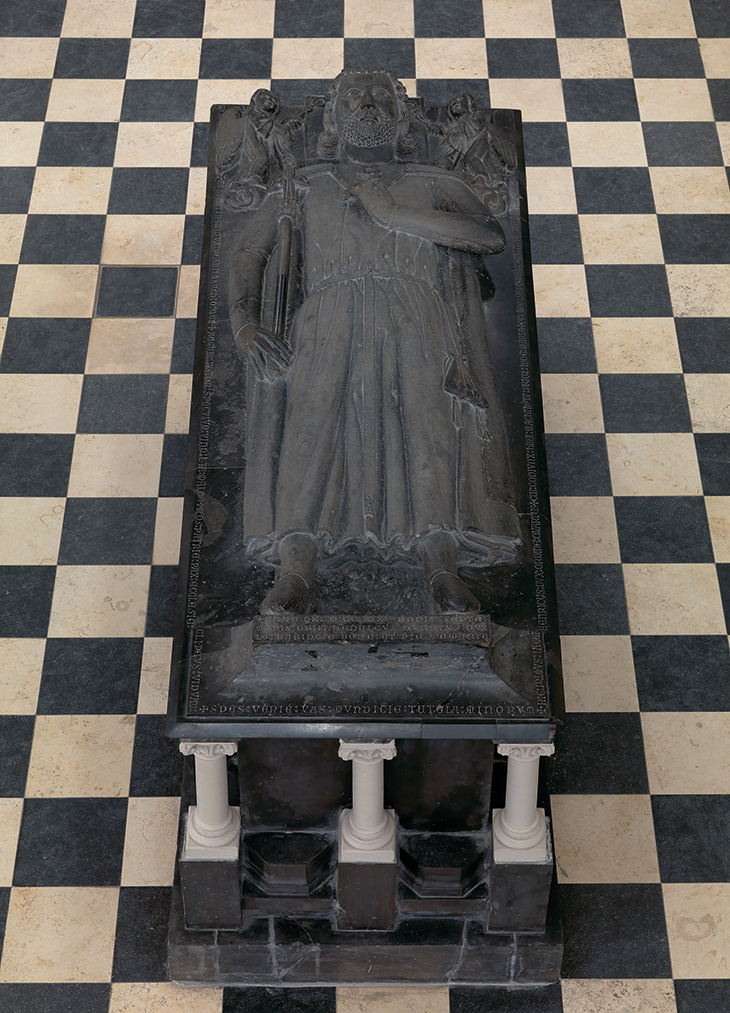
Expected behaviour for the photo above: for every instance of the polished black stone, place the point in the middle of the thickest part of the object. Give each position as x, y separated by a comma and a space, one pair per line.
440, 90
288, 864
704, 345
167, 19
459, 19
682, 673
366, 896
90, 144
95, 58
16, 739
720, 97
595, 99
522, 58
137, 292
713, 454
159, 101
26, 18
278, 1000
583, 766
631, 290
545, 999
644, 403
710, 17
613, 191
211, 894
687, 829
140, 953
192, 247
598, 19
108, 531
236, 58
25, 600
24, 98
35, 464
292, 20
45, 345
16, 185
63, 239
398, 54
174, 456
148, 191
119, 403
723, 577
90, 675
591, 599
161, 601
682, 144
7, 284
663, 529
518, 896
555, 239
702, 996
442, 865
694, 239
578, 464
156, 760
566, 346
546, 144
666, 58
58, 997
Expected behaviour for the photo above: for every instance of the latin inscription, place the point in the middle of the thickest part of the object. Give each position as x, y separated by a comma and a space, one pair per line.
450, 629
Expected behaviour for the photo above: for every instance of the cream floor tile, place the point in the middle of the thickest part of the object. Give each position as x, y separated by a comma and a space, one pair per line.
154, 675
716, 57
658, 19
99, 19
187, 291
673, 599
393, 1000
560, 291
130, 345
143, 239
723, 132
79, 190
21, 58
410, 85
518, 19
12, 230
617, 995
699, 290
239, 19
604, 839
621, 239
19, 143
150, 842
297, 58
99, 601
709, 401
606, 144
39, 403
164, 997
54, 290
686, 753
60, 934
76, 756
572, 403
168, 527
220, 92
718, 515
116, 465
598, 674
21, 665
168, 59
158, 145
688, 190
196, 191
551, 190
371, 19
178, 403
30, 530
451, 58
85, 100
540, 99
673, 99
584, 529
636, 345
698, 926
594, 58
11, 810
653, 464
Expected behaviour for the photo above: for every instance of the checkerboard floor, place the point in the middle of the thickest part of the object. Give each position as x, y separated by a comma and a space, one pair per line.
103, 125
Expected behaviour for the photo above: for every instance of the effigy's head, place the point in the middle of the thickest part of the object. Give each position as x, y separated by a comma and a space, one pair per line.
265, 101
365, 107
461, 105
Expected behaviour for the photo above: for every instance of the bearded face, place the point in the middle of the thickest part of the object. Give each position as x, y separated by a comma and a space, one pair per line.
366, 110
368, 133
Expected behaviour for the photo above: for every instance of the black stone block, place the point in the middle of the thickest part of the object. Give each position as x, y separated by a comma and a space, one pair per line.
441, 865
288, 864
518, 895
366, 896
211, 893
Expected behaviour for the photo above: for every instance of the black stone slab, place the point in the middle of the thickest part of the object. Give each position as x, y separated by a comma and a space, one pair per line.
366, 896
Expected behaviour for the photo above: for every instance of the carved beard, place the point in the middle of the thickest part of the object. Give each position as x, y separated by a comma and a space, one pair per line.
368, 133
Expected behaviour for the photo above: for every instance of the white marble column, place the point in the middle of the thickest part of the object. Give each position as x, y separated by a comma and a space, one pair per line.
367, 831
519, 832
213, 827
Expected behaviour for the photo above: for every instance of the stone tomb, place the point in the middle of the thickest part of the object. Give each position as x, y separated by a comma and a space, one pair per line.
366, 667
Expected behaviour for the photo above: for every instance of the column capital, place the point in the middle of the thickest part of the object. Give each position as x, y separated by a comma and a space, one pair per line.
208, 750
366, 752
526, 750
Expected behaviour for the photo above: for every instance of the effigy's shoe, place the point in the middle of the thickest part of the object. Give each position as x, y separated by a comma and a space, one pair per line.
450, 593
289, 594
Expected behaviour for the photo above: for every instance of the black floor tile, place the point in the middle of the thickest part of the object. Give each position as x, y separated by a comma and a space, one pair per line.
613, 191
148, 191
71, 842
236, 58
7, 284
24, 98
723, 578
192, 239
108, 532
63, 239
597, 19
35, 464
591, 599
702, 996
713, 454
157, 762
438, 91
137, 292
174, 458
628, 290
555, 239
398, 55
578, 464
133, 403
543, 999
140, 950
90, 675
566, 345
279, 1000
294, 20
102, 58
45, 345
704, 344
460, 19
663, 529
644, 403
78, 144
691, 834
666, 58
546, 144
199, 153
16, 184
183, 347
720, 97
16, 739
74, 997
161, 602
682, 144
695, 239
155, 19
614, 930
682, 673
594, 99
4, 905
523, 58
293, 91
159, 101
25, 600
710, 17
28, 18
599, 754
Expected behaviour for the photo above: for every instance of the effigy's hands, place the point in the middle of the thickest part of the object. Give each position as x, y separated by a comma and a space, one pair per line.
266, 353
375, 197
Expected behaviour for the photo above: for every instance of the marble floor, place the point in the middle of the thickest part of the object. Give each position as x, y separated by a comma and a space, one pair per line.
103, 125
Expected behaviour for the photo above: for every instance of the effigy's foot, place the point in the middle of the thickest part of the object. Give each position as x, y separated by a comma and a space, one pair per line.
289, 594
450, 593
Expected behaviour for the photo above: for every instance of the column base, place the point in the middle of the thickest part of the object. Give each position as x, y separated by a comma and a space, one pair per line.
503, 853
350, 850
227, 851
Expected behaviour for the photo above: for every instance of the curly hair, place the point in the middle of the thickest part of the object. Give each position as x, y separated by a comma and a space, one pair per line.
329, 142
